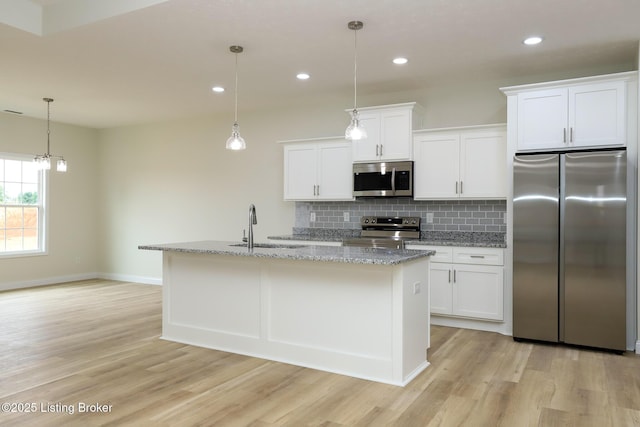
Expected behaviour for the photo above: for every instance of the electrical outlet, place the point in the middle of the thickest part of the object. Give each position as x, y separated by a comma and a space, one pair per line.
312, 217
429, 217
345, 215
416, 288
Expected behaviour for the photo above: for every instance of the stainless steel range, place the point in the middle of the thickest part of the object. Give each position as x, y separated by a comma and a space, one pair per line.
386, 232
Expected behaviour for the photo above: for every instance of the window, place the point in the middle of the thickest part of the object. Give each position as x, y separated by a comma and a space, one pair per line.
21, 206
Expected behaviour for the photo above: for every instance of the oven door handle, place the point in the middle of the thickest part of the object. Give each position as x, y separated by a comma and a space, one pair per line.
393, 181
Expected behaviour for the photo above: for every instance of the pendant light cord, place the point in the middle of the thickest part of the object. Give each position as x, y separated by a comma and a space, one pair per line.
355, 68
236, 91
48, 128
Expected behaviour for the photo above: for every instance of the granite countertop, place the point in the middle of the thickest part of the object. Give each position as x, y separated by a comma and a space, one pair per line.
351, 255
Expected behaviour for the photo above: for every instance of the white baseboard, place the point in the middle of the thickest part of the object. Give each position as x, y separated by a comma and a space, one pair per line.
76, 277
46, 281
455, 322
638, 347
130, 278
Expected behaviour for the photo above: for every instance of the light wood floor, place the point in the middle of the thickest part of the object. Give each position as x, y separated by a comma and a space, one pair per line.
98, 341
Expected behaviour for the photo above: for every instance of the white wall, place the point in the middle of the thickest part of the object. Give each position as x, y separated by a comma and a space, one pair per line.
174, 181
72, 236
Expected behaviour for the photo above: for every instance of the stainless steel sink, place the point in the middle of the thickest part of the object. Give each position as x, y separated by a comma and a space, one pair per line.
270, 245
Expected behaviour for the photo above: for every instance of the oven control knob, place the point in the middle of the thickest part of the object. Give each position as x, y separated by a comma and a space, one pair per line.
373, 220
366, 220
406, 221
413, 222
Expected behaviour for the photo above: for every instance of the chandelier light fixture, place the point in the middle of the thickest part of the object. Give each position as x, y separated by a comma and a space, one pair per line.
43, 161
355, 131
235, 141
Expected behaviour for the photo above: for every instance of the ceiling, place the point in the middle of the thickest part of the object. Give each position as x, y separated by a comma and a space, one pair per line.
114, 63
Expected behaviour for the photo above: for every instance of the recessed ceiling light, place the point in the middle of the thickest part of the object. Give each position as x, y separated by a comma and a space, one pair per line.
217, 89
400, 61
302, 76
532, 40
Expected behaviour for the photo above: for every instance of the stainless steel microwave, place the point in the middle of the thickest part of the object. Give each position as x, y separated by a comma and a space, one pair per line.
383, 179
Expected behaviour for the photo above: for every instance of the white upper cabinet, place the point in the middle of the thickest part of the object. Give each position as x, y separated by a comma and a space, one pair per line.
461, 163
318, 169
572, 114
389, 132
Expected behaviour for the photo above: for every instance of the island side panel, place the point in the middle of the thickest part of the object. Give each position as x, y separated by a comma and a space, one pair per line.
339, 317
412, 286
219, 294
332, 316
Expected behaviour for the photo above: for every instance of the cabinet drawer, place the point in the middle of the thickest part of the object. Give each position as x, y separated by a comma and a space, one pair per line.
486, 256
443, 253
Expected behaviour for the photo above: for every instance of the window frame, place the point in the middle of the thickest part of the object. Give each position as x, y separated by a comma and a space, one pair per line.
43, 215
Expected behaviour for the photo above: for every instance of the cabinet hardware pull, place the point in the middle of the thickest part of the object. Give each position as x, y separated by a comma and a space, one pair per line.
318, 190
449, 276
564, 135
461, 190
380, 150
454, 276
456, 187
393, 181
477, 256
377, 150
571, 135
315, 193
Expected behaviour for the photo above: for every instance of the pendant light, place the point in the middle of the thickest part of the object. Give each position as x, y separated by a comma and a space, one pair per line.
44, 161
235, 141
355, 131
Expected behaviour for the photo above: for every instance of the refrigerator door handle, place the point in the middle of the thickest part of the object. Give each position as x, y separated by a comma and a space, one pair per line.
561, 245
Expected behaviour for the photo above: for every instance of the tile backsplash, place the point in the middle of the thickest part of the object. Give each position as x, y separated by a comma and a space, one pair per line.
448, 215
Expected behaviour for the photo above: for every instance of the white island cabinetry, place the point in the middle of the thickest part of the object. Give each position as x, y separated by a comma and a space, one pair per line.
352, 311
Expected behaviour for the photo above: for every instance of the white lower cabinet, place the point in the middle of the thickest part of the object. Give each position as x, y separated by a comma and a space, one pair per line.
467, 282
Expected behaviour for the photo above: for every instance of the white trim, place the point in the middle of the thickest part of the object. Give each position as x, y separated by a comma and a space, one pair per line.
478, 325
489, 127
130, 278
8, 286
46, 281
638, 347
512, 90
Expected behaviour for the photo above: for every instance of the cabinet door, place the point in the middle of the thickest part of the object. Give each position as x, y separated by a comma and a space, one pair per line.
395, 127
478, 291
597, 114
436, 169
440, 282
300, 172
335, 171
368, 149
483, 165
542, 119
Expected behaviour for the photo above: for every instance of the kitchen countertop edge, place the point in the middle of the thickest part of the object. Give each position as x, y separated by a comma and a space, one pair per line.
341, 254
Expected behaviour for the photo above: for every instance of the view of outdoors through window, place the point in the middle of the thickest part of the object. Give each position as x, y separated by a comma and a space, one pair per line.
20, 205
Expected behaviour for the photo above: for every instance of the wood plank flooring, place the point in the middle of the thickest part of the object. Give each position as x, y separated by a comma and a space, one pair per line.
98, 342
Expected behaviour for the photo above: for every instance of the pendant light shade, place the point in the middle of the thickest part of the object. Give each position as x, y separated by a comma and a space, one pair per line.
355, 131
235, 141
43, 161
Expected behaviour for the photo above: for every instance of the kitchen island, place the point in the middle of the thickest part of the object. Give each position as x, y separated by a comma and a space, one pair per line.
354, 311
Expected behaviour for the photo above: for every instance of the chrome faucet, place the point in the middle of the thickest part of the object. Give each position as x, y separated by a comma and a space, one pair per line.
252, 220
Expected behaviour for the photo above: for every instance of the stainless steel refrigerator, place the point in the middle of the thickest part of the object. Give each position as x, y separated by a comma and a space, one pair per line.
569, 248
